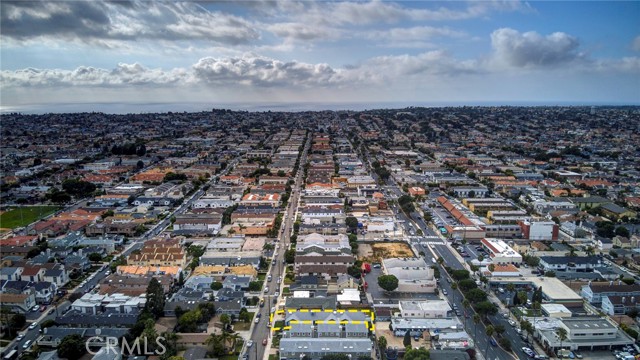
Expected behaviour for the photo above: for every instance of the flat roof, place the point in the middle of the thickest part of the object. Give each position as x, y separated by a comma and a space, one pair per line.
553, 288
425, 305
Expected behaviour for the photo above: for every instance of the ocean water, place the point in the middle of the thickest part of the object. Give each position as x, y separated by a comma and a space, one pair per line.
135, 108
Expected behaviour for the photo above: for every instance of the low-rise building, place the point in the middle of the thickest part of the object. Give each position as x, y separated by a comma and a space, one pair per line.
424, 309
500, 252
594, 293
583, 333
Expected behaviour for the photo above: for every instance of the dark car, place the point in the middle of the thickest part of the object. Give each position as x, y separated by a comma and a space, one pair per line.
493, 342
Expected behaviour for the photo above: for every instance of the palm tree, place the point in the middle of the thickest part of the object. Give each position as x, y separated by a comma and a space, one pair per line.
454, 287
489, 331
562, 335
522, 296
213, 340
465, 304
233, 338
224, 338
511, 288
476, 321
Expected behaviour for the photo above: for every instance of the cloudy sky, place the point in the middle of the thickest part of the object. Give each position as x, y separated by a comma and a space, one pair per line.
145, 52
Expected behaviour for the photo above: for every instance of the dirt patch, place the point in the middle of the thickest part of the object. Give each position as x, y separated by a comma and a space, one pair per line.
382, 329
378, 251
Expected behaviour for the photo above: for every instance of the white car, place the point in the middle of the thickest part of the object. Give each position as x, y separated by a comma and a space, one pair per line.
33, 325
20, 337
249, 343
512, 323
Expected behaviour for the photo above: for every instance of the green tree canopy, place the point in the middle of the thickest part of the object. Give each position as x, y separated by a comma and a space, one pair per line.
388, 282
417, 354
78, 187
72, 347
216, 285
155, 298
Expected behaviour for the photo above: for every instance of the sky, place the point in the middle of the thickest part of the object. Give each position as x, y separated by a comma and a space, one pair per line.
86, 54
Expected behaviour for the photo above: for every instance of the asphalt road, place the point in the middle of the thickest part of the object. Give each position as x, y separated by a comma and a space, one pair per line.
32, 334
259, 330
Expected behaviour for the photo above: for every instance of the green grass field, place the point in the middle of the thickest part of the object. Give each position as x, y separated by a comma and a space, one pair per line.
23, 216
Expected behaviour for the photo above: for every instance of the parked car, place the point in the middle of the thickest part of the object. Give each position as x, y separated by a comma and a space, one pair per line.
493, 342
35, 308
249, 343
20, 337
264, 341
33, 325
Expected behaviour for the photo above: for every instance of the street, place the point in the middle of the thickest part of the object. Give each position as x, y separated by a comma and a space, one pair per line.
277, 269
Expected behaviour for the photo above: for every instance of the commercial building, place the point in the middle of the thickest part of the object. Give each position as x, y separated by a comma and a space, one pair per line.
414, 275
424, 309
539, 230
500, 252
583, 333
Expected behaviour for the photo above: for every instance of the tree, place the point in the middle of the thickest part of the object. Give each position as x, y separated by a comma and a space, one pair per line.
217, 348
225, 320
78, 187
140, 164
216, 285
562, 335
522, 297
486, 308
550, 273
155, 298
417, 354
382, 343
454, 287
465, 304
71, 347
17, 322
388, 282
489, 331
505, 343
351, 222
622, 231
170, 176
476, 321
290, 256
255, 286
476, 295
466, 285
95, 257
460, 274
407, 339
48, 323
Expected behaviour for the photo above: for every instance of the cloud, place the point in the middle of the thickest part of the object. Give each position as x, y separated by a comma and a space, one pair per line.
531, 49
303, 32
417, 36
83, 76
435, 62
96, 21
635, 44
265, 72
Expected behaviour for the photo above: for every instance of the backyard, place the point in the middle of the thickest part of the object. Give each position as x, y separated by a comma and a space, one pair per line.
24, 215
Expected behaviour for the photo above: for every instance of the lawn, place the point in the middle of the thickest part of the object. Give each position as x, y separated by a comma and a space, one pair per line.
240, 326
25, 215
